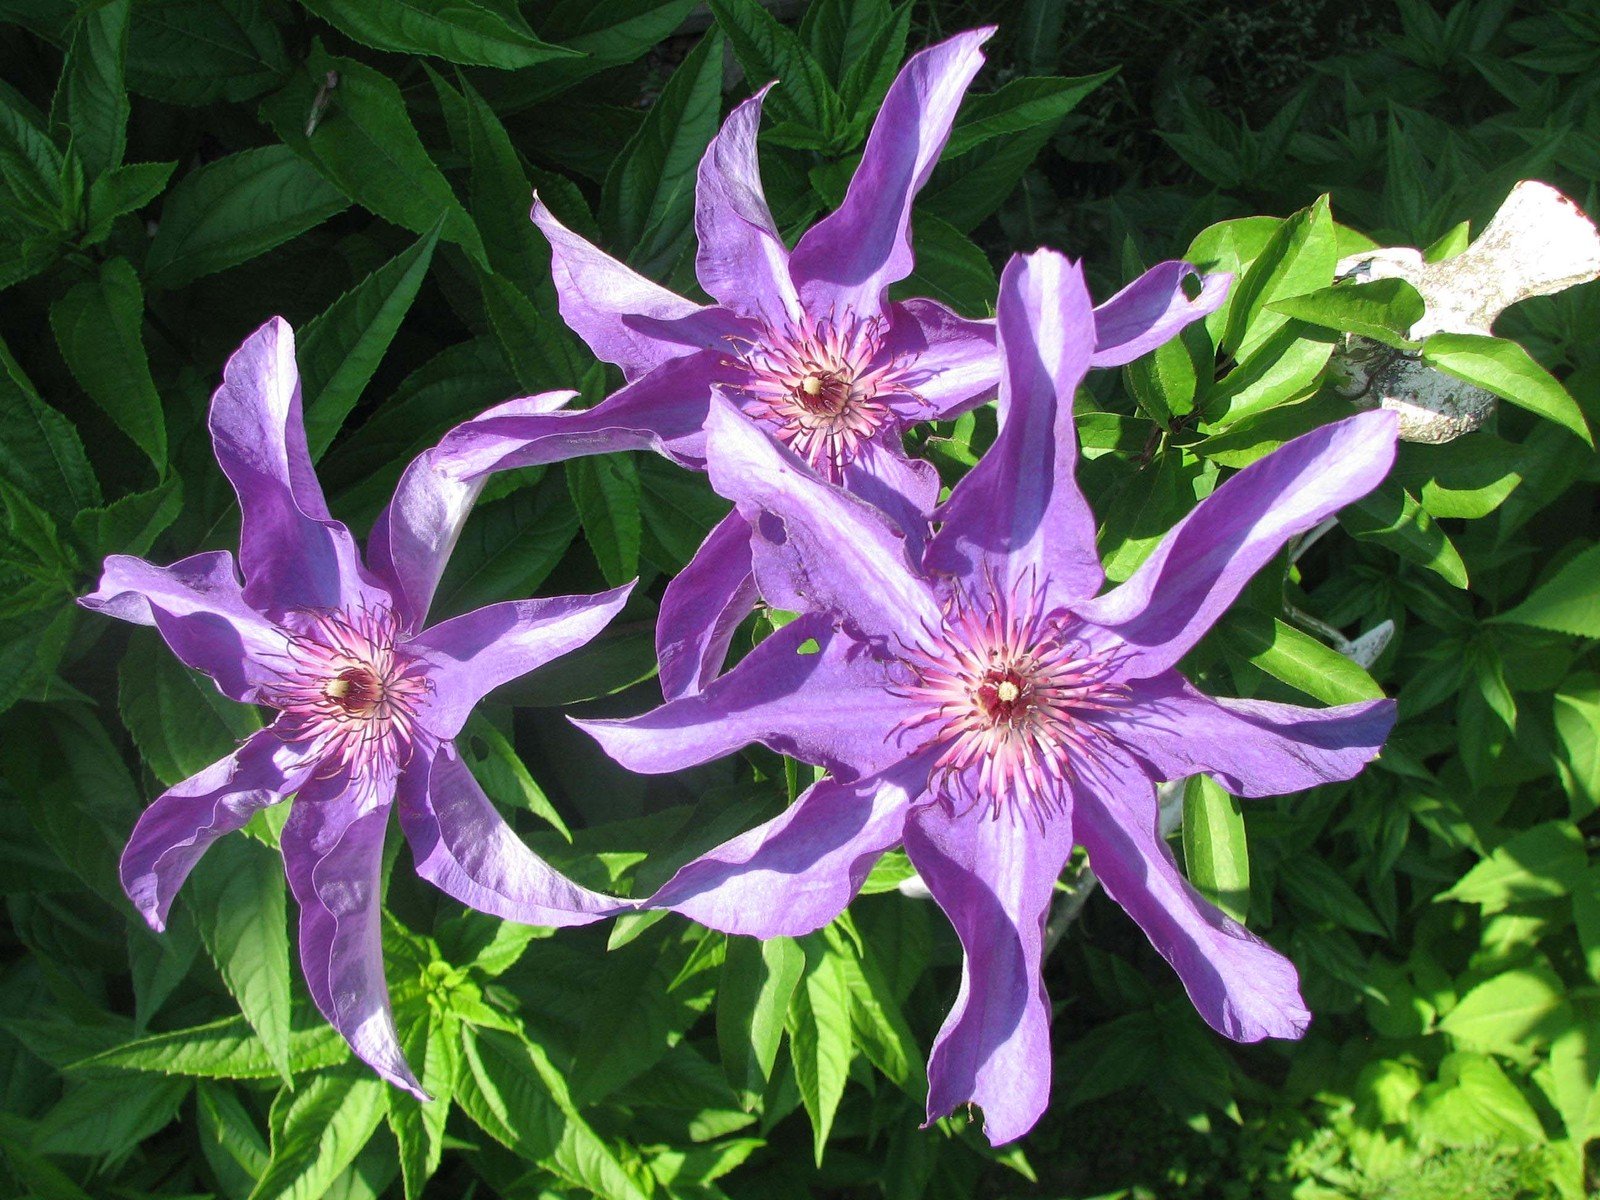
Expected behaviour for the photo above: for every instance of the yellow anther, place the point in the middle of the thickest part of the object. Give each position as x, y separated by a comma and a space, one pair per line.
1007, 691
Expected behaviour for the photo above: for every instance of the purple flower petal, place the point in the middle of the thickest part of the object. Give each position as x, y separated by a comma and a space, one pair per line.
827, 707
905, 488
845, 261
799, 870
993, 876
465, 849
742, 262
469, 656
702, 607
199, 609
1019, 512
953, 362
603, 301
181, 824
820, 548
1151, 311
1253, 748
294, 555
1243, 988
1207, 558
664, 411
415, 533
333, 854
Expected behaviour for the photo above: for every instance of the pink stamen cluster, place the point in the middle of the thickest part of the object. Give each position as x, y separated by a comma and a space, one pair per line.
1004, 685
347, 689
821, 384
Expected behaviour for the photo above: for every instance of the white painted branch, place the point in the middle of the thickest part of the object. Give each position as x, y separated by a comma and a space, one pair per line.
1539, 243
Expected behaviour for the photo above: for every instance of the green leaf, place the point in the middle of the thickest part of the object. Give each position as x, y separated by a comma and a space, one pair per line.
500, 198
231, 210
1296, 658
1020, 105
1299, 258
1323, 890
605, 489
431, 1042
1510, 372
647, 203
91, 103
199, 51
502, 774
318, 1130
365, 145
179, 720
99, 327
1576, 706
120, 191
758, 981
236, 893
1568, 602
819, 1038
1545, 861
509, 547
605, 35
539, 349
1216, 856
108, 1116
340, 350
129, 525
877, 1022
1383, 310
31, 168
225, 1049
40, 452
1512, 1014
770, 51
232, 1146
1473, 1102
1391, 517
456, 30
950, 267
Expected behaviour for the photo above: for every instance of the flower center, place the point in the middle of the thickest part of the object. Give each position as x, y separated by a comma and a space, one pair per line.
823, 387
1005, 687
348, 689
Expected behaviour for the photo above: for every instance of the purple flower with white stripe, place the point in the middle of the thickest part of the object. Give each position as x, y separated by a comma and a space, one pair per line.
806, 343
368, 700
978, 699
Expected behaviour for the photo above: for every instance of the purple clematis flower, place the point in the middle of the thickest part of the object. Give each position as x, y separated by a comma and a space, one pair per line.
368, 700
978, 700
806, 343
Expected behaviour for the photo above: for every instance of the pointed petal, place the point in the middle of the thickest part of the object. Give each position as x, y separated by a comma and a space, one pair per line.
846, 261
993, 877
907, 489
293, 554
199, 609
414, 536
664, 411
333, 854
819, 548
742, 262
604, 300
464, 848
1019, 514
469, 656
1208, 557
702, 607
181, 824
1152, 310
951, 363
798, 871
1243, 988
1252, 747
829, 707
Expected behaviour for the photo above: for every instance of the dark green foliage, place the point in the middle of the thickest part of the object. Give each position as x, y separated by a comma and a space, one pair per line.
174, 172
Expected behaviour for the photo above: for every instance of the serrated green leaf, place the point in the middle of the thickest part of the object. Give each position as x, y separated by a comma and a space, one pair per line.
605, 489
1576, 710
1545, 861
502, 774
225, 1049
1568, 602
232, 1146
1383, 309
455, 30
1512, 1014
231, 210
1020, 105
770, 51
758, 981
318, 1130
1510, 372
99, 327
237, 896
878, 1024
179, 720
950, 268
108, 1117
647, 204
820, 1043
366, 146
1216, 856
509, 547
340, 350
129, 525
1296, 658
431, 1041
1322, 889
1473, 1102
40, 452
91, 102
196, 52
